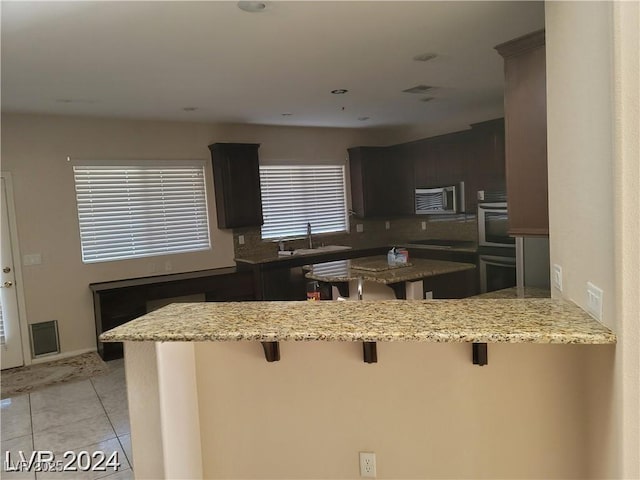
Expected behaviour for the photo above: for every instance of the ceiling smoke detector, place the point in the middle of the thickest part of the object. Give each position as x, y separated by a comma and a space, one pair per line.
418, 89
252, 7
339, 91
425, 57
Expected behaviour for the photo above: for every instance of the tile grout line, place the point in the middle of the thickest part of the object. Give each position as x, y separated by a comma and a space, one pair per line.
111, 423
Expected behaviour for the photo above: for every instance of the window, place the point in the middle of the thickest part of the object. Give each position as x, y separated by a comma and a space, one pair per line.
130, 211
293, 196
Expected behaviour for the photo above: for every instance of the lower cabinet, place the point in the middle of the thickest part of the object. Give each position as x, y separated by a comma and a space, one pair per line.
119, 302
452, 285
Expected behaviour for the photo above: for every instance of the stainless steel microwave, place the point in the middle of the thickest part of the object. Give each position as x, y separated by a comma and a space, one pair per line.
441, 200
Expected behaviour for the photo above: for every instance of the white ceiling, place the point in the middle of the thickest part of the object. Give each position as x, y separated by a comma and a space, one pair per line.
152, 59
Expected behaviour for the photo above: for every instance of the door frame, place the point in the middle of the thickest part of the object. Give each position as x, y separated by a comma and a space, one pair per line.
17, 269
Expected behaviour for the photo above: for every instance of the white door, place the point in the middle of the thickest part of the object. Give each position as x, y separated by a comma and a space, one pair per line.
10, 338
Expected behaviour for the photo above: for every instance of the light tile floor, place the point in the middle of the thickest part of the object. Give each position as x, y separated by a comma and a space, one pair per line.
90, 415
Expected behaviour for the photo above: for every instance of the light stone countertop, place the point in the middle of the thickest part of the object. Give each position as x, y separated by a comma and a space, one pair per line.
535, 320
376, 269
516, 292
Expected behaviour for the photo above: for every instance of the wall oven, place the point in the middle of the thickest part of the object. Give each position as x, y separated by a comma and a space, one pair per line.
497, 272
493, 226
496, 249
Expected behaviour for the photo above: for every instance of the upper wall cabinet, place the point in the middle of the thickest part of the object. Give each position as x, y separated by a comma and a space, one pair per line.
236, 178
486, 160
475, 157
381, 182
526, 134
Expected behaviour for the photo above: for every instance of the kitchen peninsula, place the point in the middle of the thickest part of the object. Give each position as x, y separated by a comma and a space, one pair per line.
199, 384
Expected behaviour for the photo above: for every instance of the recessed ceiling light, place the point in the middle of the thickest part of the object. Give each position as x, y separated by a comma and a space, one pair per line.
418, 89
190, 109
339, 91
286, 114
363, 119
425, 57
427, 99
252, 7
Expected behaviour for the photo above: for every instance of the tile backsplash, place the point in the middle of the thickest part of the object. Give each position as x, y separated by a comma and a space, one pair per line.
374, 233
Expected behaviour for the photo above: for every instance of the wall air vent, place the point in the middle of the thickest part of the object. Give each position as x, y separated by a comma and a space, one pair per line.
418, 89
44, 338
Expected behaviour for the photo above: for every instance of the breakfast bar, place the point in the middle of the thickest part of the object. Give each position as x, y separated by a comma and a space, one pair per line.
186, 411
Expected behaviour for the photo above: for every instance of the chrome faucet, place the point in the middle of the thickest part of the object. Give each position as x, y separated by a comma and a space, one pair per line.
309, 235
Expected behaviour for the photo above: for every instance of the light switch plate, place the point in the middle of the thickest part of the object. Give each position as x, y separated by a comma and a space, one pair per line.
387, 225
594, 300
424, 225
240, 239
359, 228
557, 276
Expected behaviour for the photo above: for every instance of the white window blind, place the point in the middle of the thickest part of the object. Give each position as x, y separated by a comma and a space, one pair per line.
141, 210
293, 196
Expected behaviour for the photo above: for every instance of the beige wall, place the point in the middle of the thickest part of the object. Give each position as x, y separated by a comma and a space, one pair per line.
424, 409
35, 149
592, 101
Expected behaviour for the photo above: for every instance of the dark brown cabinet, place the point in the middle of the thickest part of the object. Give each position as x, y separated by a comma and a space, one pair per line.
381, 182
526, 134
486, 162
121, 301
236, 178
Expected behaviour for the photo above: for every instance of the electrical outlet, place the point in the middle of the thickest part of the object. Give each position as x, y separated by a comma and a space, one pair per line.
424, 225
240, 239
359, 228
557, 276
387, 225
481, 195
594, 301
367, 465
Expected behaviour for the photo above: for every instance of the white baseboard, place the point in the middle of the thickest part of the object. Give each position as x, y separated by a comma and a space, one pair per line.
60, 356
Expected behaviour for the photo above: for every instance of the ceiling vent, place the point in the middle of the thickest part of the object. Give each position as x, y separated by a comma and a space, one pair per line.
418, 89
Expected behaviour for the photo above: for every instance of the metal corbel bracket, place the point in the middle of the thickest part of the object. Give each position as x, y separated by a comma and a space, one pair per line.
370, 352
480, 356
271, 351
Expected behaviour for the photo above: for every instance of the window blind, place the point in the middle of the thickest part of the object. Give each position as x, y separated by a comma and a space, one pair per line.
293, 196
138, 211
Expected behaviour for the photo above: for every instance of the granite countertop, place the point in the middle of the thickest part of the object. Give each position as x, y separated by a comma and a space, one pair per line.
515, 292
535, 320
263, 258
460, 247
376, 269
